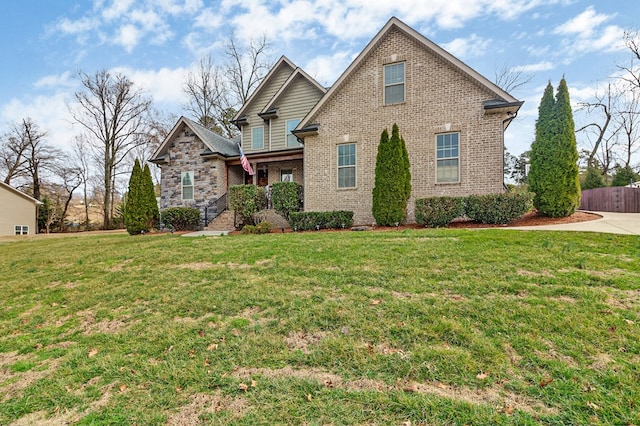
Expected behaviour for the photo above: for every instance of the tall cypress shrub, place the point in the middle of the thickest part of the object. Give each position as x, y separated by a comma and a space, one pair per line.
150, 202
135, 217
392, 187
554, 156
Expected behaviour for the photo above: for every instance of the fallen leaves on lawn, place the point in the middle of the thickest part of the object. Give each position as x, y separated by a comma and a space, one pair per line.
92, 352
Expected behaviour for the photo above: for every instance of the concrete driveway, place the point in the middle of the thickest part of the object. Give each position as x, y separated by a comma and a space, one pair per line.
611, 223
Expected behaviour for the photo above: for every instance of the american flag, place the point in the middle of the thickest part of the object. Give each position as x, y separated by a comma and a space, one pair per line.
245, 162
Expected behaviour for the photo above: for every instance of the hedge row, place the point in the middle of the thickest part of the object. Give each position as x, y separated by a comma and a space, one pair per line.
308, 221
435, 212
181, 218
491, 208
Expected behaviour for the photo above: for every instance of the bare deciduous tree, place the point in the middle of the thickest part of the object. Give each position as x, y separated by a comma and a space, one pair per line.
217, 92
26, 154
602, 107
114, 114
628, 119
511, 80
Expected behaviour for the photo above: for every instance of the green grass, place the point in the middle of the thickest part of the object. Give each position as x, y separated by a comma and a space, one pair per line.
427, 326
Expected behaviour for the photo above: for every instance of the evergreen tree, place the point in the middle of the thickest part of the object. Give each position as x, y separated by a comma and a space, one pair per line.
151, 204
392, 180
554, 156
624, 176
135, 213
592, 179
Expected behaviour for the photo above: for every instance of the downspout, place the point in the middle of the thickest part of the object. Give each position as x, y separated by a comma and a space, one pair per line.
505, 124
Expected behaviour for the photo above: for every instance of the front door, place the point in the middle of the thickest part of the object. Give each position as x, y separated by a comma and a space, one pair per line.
263, 177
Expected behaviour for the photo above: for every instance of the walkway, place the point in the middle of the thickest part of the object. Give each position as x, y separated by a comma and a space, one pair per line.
611, 223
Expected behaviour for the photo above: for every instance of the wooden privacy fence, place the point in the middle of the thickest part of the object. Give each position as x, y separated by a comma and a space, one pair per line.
620, 199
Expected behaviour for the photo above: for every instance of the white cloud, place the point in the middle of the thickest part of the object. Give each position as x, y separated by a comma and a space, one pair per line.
164, 85
49, 112
584, 24
327, 68
585, 33
128, 37
63, 80
117, 9
469, 47
540, 66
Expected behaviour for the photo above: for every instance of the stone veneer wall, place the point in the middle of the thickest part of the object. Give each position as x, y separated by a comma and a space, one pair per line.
437, 96
209, 175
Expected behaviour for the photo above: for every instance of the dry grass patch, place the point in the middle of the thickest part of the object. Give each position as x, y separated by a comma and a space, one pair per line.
14, 382
495, 395
202, 403
196, 266
298, 340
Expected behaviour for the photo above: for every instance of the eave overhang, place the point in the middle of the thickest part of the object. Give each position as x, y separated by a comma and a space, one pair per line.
309, 130
496, 106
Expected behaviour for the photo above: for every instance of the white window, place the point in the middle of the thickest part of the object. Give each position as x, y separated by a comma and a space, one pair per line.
291, 139
187, 185
347, 165
286, 175
21, 230
394, 83
448, 157
257, 137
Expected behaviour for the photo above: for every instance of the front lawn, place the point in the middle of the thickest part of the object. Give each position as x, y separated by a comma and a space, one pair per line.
395, 327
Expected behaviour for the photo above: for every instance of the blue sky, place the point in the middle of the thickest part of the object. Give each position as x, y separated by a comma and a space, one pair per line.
155, 42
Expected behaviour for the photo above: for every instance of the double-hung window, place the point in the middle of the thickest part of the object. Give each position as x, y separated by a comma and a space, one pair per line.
187, 185
347, 165
394, 83
257, 137
292, 141
21, 230
448, 157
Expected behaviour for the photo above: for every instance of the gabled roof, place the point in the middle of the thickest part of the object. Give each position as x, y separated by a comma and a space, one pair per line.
267, 79
395, 23
215, 144
19, 193
298, 72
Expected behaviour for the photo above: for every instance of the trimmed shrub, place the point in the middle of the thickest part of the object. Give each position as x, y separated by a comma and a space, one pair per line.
311, 221
181, 218
498, 208
392, 184
436, 212
246, 200
286, 197
136, 218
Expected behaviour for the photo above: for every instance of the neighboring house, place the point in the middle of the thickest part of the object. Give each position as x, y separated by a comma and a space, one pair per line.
451, 118
18, 212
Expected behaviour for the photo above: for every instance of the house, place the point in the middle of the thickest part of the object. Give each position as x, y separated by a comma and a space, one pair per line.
452, 120
198, 165
18, 212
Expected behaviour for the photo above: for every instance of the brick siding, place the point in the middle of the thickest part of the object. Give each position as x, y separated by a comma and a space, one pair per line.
437, 96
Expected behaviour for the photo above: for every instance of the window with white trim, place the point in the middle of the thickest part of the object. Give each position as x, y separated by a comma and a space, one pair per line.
292, 141
21, 229
257, 137
448, 158
394, 83
187, 185
347, 165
